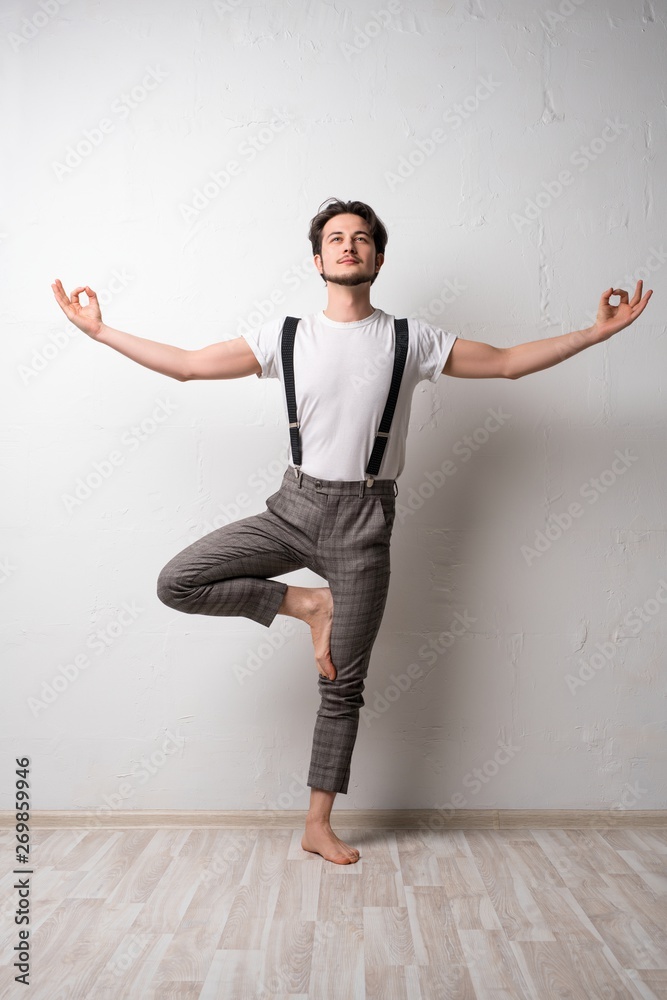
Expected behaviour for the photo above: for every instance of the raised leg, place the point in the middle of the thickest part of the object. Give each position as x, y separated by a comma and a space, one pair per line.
227, 571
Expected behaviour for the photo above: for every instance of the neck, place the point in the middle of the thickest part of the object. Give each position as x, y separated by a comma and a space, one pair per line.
347, 305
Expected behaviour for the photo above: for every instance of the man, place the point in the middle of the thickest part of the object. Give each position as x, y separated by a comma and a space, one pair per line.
329, 513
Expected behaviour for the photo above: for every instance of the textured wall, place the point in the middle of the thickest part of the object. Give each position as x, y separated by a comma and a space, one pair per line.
171, 155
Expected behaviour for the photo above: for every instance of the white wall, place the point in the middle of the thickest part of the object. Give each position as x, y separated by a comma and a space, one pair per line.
360, 88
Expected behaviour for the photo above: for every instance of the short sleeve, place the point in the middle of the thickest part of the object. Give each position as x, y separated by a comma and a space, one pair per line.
434, 347
263, 343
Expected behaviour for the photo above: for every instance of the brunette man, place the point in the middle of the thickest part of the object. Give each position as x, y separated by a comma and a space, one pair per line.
334, 509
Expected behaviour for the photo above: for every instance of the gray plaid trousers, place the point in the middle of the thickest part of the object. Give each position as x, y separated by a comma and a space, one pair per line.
339, 529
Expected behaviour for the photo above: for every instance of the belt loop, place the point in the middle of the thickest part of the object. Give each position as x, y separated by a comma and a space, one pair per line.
361, 487
300, 478
395, 488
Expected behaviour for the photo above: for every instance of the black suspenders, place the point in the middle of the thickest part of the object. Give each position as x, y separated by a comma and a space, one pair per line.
400, 354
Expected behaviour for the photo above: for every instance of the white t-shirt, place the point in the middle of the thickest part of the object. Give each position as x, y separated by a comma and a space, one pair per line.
342, 374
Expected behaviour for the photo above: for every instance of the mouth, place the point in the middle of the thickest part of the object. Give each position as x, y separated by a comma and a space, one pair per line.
349, 260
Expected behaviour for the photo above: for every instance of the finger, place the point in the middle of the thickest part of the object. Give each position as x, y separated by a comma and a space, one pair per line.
90, 293
638, 310
605, 296
638, 294
623, 294
64, 304
61, 297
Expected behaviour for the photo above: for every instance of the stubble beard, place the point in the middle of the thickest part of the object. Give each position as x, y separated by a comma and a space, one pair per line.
357, 278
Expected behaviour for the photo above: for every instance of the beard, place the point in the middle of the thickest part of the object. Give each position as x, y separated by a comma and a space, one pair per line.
357, 277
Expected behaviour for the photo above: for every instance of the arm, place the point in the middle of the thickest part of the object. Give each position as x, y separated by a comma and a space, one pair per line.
469, 359
229, 359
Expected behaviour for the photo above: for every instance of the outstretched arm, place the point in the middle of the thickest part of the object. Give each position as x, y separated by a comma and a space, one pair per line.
228, 359
471, 359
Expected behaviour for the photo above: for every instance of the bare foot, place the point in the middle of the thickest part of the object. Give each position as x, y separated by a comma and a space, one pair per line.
319, 838
320, 619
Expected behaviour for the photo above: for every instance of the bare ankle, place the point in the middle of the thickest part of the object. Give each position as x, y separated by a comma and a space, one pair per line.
300, 602
318, 821
296, 602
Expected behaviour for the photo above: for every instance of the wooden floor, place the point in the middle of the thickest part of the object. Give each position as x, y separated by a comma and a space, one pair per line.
201, 914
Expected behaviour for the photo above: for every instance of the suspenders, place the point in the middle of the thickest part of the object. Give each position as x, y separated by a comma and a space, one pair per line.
400, 354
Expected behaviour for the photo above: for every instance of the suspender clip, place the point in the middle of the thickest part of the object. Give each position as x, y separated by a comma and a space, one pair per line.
370, 480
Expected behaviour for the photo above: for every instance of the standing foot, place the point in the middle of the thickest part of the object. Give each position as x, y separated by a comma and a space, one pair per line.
319, 838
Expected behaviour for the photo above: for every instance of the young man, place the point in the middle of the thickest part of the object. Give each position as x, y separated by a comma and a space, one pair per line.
330, 513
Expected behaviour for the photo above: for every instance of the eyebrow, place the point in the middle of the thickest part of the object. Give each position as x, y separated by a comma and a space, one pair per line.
339, 232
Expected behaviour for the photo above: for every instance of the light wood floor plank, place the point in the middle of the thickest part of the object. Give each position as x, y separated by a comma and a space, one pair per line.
234, 974
511, 913
418, 862
570, 969
387, 937
387, 982
493, 966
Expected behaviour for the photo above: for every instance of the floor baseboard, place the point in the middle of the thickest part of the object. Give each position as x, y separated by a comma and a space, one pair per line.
415, 819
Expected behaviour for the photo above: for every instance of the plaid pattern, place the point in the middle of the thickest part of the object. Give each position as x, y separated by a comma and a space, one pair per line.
341, 531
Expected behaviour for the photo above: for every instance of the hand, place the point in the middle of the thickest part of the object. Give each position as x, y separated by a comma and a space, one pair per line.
610, 319
87, 318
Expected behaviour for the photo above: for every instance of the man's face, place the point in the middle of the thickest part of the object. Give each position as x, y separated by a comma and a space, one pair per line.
344, 236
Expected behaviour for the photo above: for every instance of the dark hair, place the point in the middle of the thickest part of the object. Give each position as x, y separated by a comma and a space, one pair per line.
338, 207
